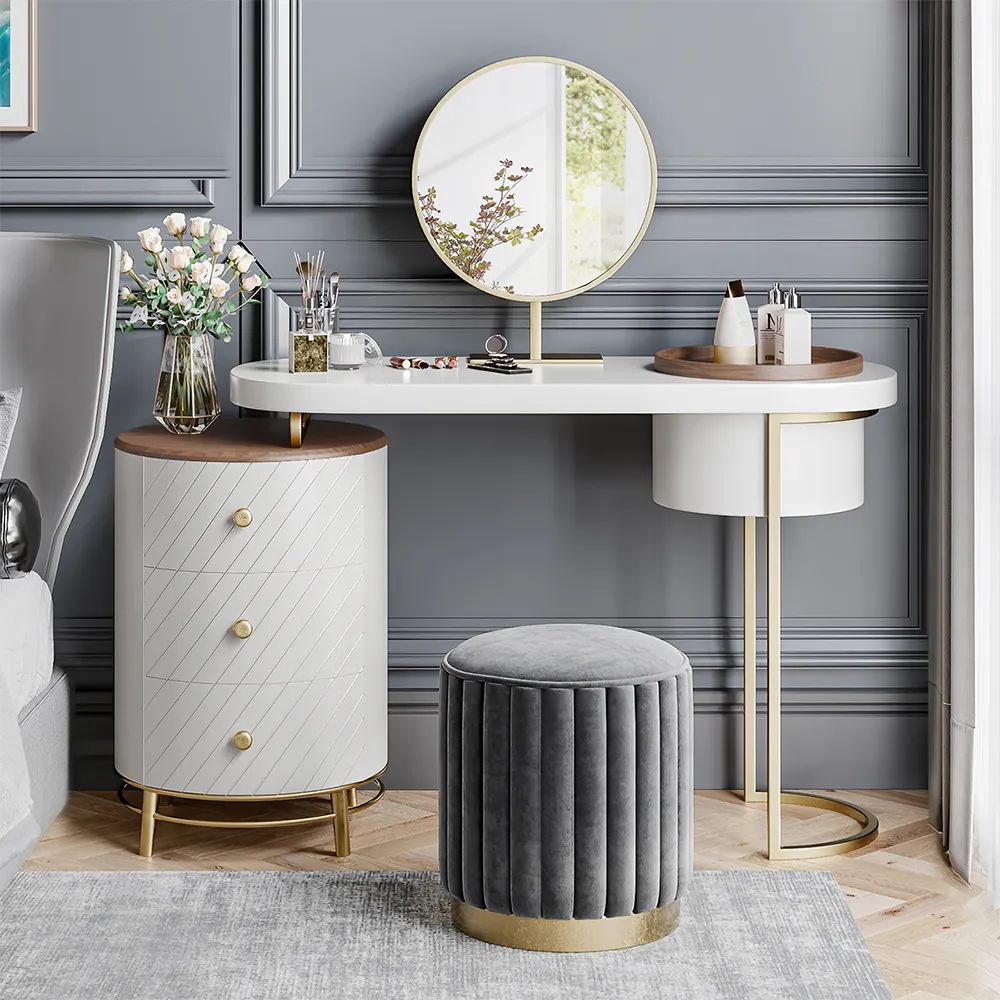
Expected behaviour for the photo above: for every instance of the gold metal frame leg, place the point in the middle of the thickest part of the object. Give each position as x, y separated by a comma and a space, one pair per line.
352, 797
148, 826
534, 330
341, 822
773, 501
297, 424
775, 797
750, 792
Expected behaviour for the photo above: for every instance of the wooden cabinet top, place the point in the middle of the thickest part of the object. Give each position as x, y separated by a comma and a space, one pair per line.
252, 440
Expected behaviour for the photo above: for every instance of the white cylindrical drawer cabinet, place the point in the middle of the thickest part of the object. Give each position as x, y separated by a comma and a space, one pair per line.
250, 618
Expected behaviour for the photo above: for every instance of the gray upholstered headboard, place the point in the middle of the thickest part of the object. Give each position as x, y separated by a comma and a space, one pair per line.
58, 303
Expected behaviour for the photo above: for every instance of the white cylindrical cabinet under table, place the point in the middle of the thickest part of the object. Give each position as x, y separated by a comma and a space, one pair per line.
250, 618
774, 465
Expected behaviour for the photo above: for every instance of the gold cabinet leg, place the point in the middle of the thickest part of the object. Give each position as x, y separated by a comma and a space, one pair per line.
297, 424
750, 793
148, 822
773, 635
352, 797
341, 822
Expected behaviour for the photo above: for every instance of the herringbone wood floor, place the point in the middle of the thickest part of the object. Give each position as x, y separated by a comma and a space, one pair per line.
932, 935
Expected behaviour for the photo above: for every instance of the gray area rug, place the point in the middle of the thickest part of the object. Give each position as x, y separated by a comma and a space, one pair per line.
744, 935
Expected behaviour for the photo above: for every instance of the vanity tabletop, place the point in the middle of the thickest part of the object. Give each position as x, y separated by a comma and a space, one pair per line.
619, 385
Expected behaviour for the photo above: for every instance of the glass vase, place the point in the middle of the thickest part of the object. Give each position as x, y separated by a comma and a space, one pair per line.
187, 399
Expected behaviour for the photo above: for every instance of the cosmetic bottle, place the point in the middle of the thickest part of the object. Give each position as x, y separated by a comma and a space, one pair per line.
767, 319
734, 339
793, 337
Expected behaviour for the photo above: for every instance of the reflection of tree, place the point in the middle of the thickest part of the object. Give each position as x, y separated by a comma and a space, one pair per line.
595, 133
467, 251
595, 174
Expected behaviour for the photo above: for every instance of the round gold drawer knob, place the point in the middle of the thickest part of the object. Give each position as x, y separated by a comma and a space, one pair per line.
242, 518
242, 740
243, 629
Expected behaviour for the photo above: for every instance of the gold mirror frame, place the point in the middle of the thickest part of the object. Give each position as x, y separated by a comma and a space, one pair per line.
535, 353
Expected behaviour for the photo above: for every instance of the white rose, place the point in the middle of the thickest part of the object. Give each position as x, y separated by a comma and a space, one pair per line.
250, 283
244, 263
202, 271
219, 288
180, 257
200, 226
236, 253
127, 262
126, 294
218, 236
152, 285
150, 240
175, 223
174, 296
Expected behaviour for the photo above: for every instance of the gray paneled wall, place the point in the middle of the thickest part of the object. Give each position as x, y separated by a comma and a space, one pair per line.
790, 143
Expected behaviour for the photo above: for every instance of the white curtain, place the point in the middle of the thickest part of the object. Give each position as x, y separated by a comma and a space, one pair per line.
964, 551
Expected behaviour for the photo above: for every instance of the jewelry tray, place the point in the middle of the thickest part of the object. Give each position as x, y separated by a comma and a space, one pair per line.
695, 361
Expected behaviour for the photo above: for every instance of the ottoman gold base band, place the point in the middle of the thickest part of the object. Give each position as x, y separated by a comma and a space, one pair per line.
542, 934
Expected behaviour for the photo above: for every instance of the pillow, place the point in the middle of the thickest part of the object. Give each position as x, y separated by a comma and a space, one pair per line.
20, 529
10, 400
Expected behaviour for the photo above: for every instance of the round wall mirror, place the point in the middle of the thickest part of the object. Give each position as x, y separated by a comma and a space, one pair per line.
534, 179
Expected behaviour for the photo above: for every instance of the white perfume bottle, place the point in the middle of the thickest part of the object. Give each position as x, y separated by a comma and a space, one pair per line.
767, 320
734, 339
793, 337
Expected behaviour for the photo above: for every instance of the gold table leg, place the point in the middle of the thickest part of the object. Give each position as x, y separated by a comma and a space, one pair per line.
750, 792
148, 823
352, 797
341, 822
867, 820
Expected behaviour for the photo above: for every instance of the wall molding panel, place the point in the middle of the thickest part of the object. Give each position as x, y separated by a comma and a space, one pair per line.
620, 303
289, 181
872, 675
67, 188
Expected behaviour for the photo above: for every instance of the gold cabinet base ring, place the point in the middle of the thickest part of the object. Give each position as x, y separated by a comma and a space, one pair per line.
541, 934
152, 797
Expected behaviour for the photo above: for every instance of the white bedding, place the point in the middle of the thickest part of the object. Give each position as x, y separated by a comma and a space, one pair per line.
25, 637
25, 670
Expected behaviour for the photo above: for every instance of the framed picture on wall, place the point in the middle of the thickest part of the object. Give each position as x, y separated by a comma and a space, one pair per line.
18, 65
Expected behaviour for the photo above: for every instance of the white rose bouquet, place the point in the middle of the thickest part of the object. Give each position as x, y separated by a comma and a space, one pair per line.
194, 288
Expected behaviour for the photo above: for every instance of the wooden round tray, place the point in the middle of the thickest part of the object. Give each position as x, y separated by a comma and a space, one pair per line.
696, 362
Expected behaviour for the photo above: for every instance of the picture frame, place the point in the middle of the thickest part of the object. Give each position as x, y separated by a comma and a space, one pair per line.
18, 65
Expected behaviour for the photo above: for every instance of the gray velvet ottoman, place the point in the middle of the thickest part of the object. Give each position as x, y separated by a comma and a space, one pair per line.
566, 793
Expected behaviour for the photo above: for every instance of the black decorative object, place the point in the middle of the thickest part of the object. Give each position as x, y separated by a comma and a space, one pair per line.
20, 529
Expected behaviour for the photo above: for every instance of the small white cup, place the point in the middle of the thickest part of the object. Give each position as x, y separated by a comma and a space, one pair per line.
349, 351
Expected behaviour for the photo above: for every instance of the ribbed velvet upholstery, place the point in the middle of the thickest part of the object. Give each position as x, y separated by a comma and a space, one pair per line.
563, 798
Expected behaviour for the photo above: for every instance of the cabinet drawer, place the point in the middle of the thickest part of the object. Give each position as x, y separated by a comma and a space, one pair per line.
305, 625
306, 736
305, 515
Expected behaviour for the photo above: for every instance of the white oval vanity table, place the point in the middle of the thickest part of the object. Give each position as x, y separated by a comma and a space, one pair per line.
748, 449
